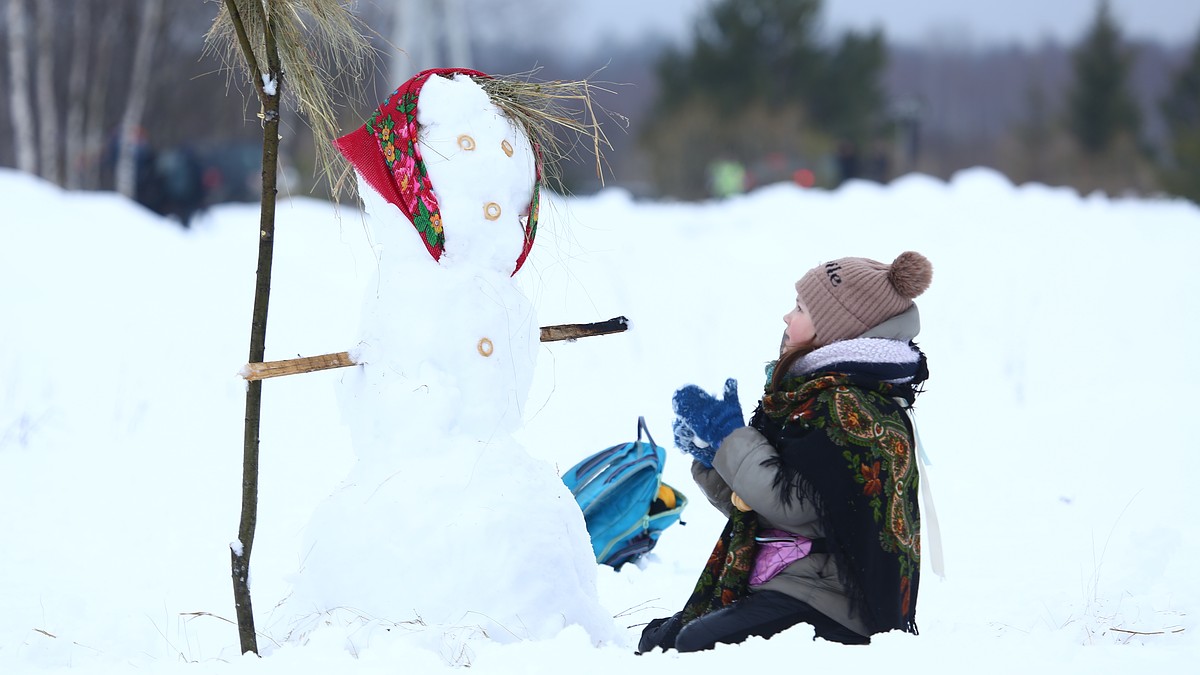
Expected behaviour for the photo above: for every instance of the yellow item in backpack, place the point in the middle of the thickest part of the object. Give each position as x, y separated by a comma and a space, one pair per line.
667, 496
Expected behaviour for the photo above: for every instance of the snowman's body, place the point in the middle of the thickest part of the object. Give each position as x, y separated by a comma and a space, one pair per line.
448, 347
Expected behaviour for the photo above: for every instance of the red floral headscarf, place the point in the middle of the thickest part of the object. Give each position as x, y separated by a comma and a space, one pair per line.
386, 153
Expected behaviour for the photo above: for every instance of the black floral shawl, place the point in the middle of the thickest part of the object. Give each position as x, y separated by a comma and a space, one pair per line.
845, 445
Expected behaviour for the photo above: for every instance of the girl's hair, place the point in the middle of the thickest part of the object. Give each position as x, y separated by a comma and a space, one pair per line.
787, 359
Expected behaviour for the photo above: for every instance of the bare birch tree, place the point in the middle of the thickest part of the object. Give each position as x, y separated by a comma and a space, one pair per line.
458, 34
413, 38
139, 89
20, 104
308, 40
96, 124
76, 101
430, 33
49, 117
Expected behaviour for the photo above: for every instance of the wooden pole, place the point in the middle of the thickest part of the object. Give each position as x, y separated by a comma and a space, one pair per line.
255, 371
269, 92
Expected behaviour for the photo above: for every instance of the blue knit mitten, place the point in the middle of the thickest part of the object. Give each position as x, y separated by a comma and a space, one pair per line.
685, 440
711, 418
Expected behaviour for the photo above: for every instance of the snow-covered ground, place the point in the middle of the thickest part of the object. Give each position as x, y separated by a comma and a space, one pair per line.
1060, 330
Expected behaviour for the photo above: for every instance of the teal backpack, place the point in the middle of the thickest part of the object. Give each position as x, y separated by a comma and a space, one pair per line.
625, 503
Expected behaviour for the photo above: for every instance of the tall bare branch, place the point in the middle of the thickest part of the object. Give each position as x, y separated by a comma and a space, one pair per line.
49, 117
19, 97
135, 107
73, 128
272, 37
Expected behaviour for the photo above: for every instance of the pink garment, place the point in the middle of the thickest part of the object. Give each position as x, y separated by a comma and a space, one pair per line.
776, 550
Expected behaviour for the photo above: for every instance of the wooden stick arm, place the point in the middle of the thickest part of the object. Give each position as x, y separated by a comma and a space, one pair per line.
309, 364
574, 331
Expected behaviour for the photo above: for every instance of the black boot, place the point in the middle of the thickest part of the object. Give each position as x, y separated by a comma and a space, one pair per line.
660, 633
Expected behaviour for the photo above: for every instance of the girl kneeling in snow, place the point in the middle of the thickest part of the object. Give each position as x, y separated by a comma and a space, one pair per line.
821, 487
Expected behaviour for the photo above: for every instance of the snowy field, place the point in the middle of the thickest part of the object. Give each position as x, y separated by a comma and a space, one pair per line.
1061, 333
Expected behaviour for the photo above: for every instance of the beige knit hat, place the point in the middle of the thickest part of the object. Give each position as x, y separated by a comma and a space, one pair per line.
849, 296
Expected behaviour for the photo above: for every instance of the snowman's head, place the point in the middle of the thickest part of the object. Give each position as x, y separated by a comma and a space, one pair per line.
447, 160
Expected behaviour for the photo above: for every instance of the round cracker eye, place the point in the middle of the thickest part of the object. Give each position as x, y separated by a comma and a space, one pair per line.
466, 142
507, 147
485, 347
491, 211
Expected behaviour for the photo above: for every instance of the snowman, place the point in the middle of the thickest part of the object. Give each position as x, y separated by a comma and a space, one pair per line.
445, 525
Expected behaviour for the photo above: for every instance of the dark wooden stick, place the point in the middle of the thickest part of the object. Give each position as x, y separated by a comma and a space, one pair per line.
254, 372
574, 331
240, 555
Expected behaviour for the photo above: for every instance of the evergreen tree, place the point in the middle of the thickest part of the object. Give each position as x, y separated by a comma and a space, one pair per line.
746, 50
850, 96
1035, 135
756, 85
1181, 110
1099, 107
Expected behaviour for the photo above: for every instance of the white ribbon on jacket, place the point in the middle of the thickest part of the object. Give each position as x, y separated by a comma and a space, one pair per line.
931, 531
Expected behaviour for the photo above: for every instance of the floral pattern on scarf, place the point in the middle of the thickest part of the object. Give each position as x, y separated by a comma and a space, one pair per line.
845, 445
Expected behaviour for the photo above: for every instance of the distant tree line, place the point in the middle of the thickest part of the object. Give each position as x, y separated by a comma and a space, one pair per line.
757, 86
115, 95
757, 82
1181, 110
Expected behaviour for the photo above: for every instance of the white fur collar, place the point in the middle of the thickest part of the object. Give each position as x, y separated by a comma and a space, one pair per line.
864, 351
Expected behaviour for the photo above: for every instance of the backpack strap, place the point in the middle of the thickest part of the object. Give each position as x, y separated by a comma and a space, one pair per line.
643, 429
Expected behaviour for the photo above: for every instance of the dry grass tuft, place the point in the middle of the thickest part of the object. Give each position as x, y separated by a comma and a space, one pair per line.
540, 108
319, 42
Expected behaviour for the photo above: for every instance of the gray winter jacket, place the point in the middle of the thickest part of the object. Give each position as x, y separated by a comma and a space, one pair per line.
739, 467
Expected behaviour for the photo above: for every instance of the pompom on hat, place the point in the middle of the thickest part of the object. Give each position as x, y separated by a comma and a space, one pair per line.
849, 296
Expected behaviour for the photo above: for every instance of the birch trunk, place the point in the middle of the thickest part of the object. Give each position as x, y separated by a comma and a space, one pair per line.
458, 35
49, 118
414, 31
139, 86
74, 154
20, 104
96, 124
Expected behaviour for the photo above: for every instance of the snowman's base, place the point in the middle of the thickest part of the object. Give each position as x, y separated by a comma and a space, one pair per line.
479, 539
452, 645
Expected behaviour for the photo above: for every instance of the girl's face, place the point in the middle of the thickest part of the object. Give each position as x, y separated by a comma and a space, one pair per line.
800, 332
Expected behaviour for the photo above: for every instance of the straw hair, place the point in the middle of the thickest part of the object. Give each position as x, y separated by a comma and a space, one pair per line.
318, 39
319, 42
541, 107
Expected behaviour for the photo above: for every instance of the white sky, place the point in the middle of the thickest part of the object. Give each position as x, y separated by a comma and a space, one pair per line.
976, 22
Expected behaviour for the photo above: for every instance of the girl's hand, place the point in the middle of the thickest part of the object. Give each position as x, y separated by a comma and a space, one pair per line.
711, 418
685, 440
